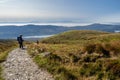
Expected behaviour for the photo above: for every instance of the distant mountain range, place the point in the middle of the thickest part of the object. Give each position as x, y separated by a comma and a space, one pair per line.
8, 32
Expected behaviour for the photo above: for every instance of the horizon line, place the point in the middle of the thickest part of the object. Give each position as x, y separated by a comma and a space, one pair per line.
54, 24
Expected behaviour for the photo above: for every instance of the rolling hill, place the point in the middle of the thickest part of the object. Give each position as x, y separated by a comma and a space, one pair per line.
80, 55
81, 37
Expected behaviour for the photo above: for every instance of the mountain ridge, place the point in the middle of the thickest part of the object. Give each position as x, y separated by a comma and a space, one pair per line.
10, 31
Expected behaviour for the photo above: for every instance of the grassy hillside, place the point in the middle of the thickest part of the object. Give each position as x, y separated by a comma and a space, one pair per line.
80, 55
5, 47
72, 36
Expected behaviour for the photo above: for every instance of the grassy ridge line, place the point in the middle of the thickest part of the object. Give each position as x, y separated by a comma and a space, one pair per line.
5, 47
72, 36
98, 58
81, 37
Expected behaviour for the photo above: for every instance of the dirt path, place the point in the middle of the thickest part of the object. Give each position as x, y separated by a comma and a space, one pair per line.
19, 66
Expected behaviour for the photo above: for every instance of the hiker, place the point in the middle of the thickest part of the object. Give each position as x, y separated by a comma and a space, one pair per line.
20, 41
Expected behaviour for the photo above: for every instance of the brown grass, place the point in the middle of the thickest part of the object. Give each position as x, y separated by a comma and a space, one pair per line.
86, 59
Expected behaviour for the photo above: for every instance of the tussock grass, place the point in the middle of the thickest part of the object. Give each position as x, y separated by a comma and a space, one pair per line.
80, 55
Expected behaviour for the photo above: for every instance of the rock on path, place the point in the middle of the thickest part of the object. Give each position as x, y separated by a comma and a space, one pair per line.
19, 66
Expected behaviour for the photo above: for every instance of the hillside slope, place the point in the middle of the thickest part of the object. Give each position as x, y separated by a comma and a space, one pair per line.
81, 36
80, 55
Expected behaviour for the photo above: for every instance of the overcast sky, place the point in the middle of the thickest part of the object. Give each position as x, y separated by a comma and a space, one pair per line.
64, 11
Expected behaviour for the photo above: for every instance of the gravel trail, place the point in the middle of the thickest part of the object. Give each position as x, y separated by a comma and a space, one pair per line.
19, 66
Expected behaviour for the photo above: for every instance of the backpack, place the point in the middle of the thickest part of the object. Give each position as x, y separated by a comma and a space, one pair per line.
18, 38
